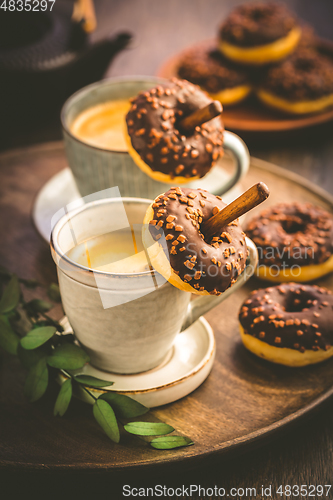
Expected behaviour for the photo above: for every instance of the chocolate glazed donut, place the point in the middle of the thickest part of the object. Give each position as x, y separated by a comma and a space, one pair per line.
293, 234
302, 84
257, 24
289, 324
259, 33
159, 147
222, 79
198, 266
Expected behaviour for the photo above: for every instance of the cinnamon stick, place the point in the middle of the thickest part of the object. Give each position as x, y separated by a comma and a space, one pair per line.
200, 116
244, 203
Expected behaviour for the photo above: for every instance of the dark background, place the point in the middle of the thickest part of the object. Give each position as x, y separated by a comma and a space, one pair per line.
304, 454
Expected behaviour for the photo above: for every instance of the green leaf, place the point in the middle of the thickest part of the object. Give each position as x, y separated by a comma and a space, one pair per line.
68, 357
37, 337
49, 322
54, 293
170, 442
13, 315
29, 283
30, 358
39, 306
148, 428
37, 380
92, 381
106, 418
38, 324
11, 296
124, 406
8, 338
63, 399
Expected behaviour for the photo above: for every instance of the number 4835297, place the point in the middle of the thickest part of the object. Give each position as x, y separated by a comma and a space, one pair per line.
304, 490
33, 5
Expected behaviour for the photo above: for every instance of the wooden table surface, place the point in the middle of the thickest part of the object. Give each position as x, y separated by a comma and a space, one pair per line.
302, 455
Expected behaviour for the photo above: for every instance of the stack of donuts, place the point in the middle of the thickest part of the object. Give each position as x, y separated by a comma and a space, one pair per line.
262, 48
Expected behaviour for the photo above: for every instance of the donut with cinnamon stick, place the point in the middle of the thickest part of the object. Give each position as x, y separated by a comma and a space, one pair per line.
194, 239
174, 132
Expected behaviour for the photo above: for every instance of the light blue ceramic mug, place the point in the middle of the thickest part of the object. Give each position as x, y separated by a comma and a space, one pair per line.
95, 169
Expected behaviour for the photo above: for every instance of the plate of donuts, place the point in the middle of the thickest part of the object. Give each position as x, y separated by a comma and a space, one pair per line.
267, 68
249, 113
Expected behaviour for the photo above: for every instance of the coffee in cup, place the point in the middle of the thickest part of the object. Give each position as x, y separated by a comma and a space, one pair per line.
96, 166
103, 125
118, 252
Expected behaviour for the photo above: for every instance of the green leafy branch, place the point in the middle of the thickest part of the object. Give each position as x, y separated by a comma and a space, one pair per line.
45, 350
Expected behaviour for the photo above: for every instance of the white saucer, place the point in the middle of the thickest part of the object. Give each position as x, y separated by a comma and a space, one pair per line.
186, 366
61, 190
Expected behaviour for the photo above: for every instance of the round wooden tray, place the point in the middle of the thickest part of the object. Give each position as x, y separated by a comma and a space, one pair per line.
251, 115
243, 401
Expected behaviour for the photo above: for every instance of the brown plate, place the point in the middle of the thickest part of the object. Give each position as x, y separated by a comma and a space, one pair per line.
245, 400
251, 115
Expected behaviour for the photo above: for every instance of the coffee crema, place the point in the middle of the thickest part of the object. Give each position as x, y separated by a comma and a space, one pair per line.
103, 125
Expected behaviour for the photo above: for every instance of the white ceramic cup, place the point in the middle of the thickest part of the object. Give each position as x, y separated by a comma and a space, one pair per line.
96, 169
127, 323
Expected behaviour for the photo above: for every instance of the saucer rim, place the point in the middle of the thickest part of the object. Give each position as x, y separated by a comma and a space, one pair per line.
205, 360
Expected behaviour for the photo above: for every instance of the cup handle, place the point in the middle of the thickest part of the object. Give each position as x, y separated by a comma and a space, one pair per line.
240, 153
201, 305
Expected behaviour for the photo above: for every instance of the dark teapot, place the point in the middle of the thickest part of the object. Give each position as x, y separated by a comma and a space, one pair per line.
44, 58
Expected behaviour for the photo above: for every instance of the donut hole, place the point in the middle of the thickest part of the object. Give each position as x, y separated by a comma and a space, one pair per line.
297, 302
294, 225
295, 306
304, 64
258, 14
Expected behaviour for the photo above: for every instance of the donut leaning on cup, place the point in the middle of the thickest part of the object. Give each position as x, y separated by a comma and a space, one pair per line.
162, 138
203, 250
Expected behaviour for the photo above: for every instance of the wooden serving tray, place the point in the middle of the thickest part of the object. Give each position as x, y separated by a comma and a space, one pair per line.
251, 115
243, 401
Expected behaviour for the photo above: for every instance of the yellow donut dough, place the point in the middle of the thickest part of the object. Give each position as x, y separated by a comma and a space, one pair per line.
157, 176
262, 54
307, 273
294, 107
283, 355
233, 95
